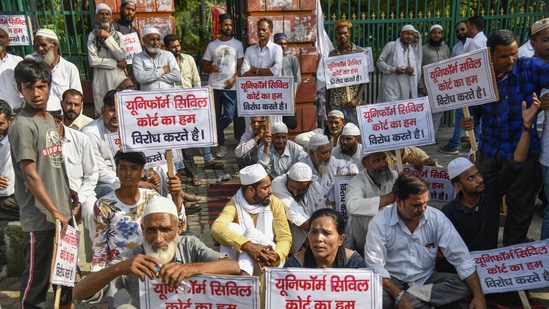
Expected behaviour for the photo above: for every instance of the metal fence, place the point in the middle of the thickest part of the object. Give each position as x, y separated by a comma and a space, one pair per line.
70, 19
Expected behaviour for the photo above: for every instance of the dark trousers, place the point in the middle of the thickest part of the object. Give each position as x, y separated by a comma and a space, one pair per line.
36, 278
520, 197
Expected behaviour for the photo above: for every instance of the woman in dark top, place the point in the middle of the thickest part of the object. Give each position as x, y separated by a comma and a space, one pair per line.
326, 236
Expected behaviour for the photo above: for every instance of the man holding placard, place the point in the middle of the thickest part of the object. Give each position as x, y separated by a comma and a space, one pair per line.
160, 254
502, 125
398, 64
345, 98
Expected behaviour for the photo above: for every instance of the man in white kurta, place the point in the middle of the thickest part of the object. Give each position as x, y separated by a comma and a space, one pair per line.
398, 64
301, 196
106, 54
8, 88
367, 192
282, 153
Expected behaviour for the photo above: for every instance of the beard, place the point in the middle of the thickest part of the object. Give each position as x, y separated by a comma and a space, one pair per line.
350, 150
48, 57
324, 168
382, 175
435, 43
105, 25
163, 256
1, 48
263, 202
152, 49
335, 130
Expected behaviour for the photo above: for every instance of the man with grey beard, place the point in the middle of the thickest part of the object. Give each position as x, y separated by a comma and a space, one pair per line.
163, 254
65, 74
368, 192
325, 167
155, 68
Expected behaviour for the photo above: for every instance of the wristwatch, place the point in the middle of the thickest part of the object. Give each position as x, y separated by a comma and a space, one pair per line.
527, 129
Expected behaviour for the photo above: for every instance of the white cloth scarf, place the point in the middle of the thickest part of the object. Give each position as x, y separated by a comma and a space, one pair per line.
400, 61
264, 215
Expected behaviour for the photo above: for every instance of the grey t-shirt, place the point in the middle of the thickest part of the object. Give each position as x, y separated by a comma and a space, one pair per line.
37, 139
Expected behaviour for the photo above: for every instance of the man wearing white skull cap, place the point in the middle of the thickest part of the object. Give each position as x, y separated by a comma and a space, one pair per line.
155, 68
252, 228
64, 74
282, 153
477, 203
400, 69
325, 167
162, 254
106, 54
301, 196
349, 148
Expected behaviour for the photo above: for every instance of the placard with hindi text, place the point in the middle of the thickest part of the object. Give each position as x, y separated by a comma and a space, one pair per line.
394, 125
166, 119
346, 70
265, 96
204, 291
460, 81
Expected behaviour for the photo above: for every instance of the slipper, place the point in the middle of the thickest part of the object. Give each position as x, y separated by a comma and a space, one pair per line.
192, 209
191, 197
196, 181
213, 164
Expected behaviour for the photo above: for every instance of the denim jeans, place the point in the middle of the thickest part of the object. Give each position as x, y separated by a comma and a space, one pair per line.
545, 221
225, 105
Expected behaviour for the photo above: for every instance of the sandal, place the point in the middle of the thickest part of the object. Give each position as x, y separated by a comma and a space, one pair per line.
190, 210
213, 164
196, 181
191, 197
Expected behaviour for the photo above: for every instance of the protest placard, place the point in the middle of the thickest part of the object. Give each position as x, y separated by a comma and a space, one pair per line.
346, 70
394, 125
132, 46
166, 119
340, 187
513, 268
154, 157
65, 256
460, 81
18, 29
204, 291
265, 96
322, 288
441, 189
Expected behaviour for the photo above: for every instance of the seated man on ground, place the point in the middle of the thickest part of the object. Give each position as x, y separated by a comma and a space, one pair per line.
349, 148
367, 193
160, 254
282, 154
325, 167
252, 142
252, 228
301, 195
333, 129
402, 244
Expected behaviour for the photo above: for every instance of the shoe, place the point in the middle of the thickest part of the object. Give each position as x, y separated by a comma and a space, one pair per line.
196, 181
193, 209
466, 146
448, 150
464, 139
221, 152
213, 164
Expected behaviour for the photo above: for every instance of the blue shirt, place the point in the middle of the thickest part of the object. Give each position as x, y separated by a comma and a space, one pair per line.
502, 120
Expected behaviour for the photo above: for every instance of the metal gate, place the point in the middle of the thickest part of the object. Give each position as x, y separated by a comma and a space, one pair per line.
70, 19
377, 22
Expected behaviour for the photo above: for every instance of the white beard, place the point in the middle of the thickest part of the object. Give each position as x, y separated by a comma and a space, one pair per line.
153, 50
163, 257
48, 58
324, 169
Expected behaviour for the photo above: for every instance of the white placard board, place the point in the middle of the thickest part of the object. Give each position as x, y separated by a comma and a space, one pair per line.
18, 28
322, 288
369, 59
346, 70
394, 125
460, 81
513, 268
132, 45
66, 256
265, 96
204, 291
166, 119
